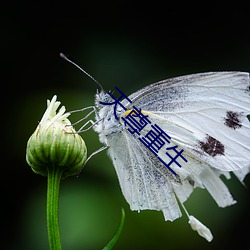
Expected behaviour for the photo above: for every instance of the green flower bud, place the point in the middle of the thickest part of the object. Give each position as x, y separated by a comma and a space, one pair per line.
55, 144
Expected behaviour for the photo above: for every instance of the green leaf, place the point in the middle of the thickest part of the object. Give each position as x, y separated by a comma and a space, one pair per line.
117, 234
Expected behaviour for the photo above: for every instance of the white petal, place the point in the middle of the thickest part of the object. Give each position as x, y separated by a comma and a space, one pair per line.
50, 109
51, 114
200, 228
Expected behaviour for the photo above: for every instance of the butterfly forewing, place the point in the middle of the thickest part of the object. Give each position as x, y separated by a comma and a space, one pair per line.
204, 113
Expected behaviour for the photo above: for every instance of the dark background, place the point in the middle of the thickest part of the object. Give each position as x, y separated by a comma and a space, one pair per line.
126, 44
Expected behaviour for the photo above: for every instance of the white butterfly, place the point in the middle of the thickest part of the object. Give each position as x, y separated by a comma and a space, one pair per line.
206, 116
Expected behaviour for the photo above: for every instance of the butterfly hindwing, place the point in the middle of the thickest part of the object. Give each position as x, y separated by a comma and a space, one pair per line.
145, 182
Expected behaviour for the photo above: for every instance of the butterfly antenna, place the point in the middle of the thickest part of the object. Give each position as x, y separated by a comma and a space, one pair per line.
86, 73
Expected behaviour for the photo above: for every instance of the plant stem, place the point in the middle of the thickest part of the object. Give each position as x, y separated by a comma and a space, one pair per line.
54, 177
117, 234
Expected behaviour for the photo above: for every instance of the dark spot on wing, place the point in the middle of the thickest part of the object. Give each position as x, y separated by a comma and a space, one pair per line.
191, 181
212, 146
248, 88
232, 119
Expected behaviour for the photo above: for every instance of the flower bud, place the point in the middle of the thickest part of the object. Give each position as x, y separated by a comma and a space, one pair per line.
55, 144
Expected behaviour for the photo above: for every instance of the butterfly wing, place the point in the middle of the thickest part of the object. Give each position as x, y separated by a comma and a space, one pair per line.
206, 114
145, 182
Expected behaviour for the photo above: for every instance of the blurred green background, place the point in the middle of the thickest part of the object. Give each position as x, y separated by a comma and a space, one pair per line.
125, 45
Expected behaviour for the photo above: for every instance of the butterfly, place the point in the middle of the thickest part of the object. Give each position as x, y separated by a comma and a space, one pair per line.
204, 114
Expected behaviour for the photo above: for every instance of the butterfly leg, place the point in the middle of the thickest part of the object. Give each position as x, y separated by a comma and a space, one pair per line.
95, 152
91, 155
81, 129
86, 116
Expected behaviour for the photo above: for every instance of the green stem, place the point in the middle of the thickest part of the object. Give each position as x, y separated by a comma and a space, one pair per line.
54, 177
